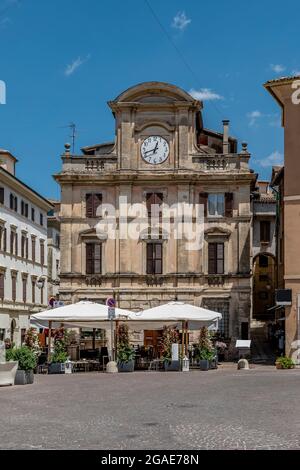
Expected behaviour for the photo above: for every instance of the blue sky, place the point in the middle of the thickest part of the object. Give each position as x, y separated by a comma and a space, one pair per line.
63, 60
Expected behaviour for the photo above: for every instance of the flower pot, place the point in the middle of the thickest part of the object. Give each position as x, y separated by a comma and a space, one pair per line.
126, 366
56, 368
204, 364
24, 377
278, 365
172, 366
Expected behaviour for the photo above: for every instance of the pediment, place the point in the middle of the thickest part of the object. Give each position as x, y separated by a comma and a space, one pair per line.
92, 235
217, 232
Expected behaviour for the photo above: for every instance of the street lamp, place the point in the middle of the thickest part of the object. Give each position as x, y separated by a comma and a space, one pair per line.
40, 282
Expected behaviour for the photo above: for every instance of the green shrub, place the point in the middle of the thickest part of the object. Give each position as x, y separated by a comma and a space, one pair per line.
285, 362
24, 355
125, 351
206, 354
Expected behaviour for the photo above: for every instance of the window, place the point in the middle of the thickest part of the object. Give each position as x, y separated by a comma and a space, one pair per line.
12, 241
32, 214
1, 236
24, 288
14, 287
153, 203
4, 239
216, 205
15, 204
265, 231
42, 294
92, 202
22, 208
2, 334
1, 195
57, 266
26, 210
42, 252
263, 261
1, 286
154, 258
23, 245
33, 249
57, 241
216, 258
41, 219
11, 201
93, 258
224, 324
33, 290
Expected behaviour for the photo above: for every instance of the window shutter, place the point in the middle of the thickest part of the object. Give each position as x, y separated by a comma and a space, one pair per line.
203, 200
16, 204
150, 258
211, 258
26, 210
5, 239
97, 201
89, 205
11, 201
158, 258
14, 285
26, 248
1, 286
89, 258
2, 195
16, 244
149, 202
228, 204
220, 258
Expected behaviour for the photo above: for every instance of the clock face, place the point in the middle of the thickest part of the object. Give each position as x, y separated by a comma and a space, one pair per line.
155, 150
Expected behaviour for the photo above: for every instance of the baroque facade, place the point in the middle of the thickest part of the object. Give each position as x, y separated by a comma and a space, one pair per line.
23, 252
162, 154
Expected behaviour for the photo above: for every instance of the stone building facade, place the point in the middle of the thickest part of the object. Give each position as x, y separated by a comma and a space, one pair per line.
285, 91
23, 252
162, 154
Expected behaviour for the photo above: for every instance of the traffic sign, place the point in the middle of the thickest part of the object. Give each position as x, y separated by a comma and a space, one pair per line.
110, 302
111, 313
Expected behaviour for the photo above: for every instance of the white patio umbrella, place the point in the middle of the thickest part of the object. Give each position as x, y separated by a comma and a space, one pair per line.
84, 314
173, 313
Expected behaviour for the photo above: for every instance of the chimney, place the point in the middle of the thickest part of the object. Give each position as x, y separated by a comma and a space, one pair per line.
225, 136
8, 161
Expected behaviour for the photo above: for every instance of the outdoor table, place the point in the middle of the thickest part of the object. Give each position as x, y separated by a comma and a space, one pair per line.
156, 363
80, 366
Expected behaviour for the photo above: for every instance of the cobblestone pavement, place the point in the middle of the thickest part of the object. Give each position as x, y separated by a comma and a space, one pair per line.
218, 409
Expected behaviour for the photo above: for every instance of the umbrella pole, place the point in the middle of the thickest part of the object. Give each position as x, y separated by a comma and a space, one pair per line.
182, 339
94, 339
49, 341
186, 338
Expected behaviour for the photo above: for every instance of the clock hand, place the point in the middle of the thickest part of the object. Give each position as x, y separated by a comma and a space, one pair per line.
152, 150
155, 148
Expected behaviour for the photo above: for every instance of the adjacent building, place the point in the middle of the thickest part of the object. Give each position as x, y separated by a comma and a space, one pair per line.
162, 155
264, 251
53, 236
286, 93
23, 251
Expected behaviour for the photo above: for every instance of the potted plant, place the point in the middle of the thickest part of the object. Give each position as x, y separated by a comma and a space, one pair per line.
284, 362
27, 361
125, 352
205, 349
205, 358
170, 336
60, 355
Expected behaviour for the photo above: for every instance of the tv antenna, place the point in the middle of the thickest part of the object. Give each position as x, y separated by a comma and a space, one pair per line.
72, 127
